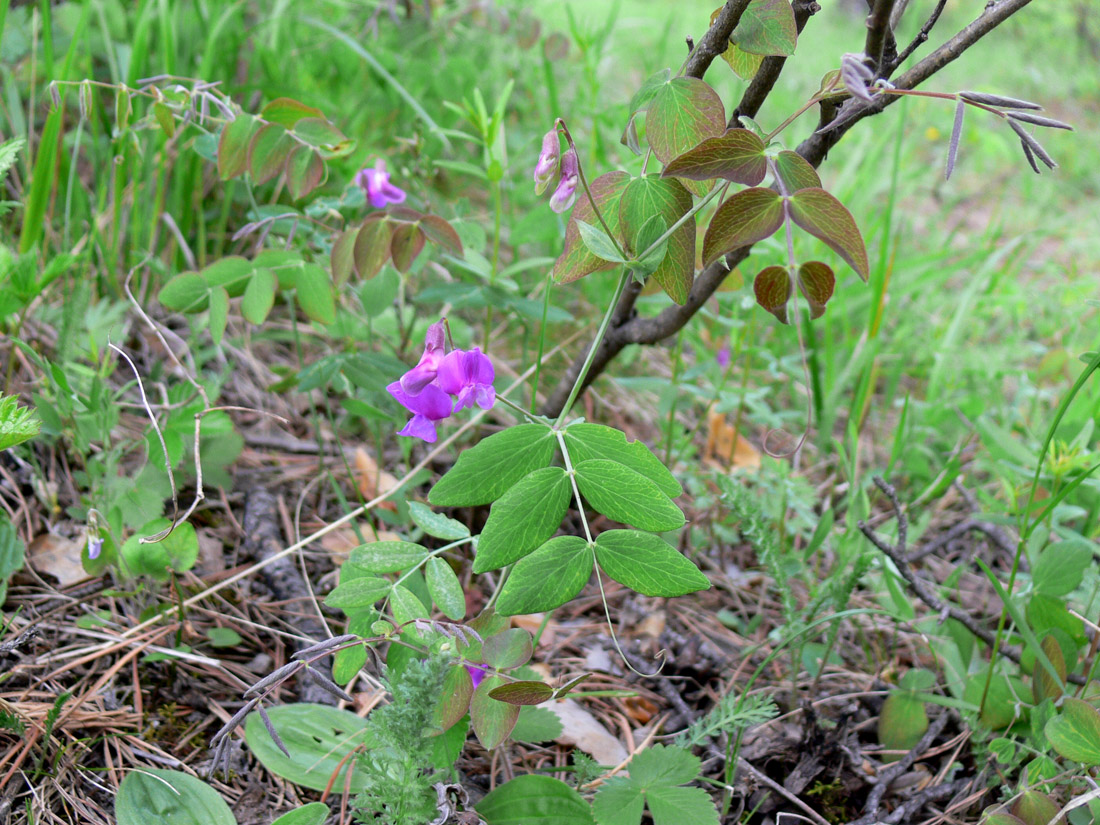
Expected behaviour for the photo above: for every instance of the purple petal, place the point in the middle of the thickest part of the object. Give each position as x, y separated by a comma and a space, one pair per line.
420, 426
95, 545
565, 195
477, 674
486, 396
431, 402
376, 183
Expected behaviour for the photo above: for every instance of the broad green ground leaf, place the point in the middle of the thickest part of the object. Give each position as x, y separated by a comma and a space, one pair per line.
267, 152
523, 518
324, 136
445, 589
666, 197
507, 649
372, 246
233, 146
1005, 702
442, 234
358, 593
286, 112
483, 472
647, 563
767, 27
454, 696
387, 556
1045, 613
154, 796
576, 260
232, 272
796, 172
319, 739
547, 578
657, 776
1002, 818
177, 552
305, 171
523, 693
585, 441
1061, 567
901, 722
816, 282
536, 725
1044, 683
1036, 808
627, 496
312, 813
534, 800
314, 294
772, 287
749, 216
1075, 732
491, 720
737, 155
436, 524
259, 296
12, 553
407, 243
219, 314
826, 218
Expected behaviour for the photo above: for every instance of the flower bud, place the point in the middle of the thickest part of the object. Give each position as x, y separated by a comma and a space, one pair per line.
566, 193
546, 170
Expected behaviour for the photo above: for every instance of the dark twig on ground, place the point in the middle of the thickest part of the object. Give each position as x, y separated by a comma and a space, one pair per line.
893, 771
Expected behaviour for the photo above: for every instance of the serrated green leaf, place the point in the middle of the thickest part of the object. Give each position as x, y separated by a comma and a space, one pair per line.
314, 294
1075, 732
233, 146
647, 563
795, 172
767, 27
656, 777
641, 199
358, 593
627, 496
737, 155
9, 153
536, 725
436, 524
826, 218
534, 800
485, 471
319, 739
672, 806
619, 801
268, 152
548, 578
259, 296
305, 171
772, 288
154, 796
445, 589
576, 260
491, 720
17, 424
587, 441
598, 243
749, 216
523, 518
387, 556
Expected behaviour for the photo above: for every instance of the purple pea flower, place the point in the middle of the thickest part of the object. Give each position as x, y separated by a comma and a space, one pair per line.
415, 380
431, 404
468, 375
477, 673
546, 170
376, 183
566, 192
95, 546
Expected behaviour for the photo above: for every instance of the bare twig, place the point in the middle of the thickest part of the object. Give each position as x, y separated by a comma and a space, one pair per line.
716, 40
893, 771
878, 33
920, 39
770, 68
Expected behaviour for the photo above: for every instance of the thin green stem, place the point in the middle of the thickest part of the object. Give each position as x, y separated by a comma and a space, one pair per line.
587, 191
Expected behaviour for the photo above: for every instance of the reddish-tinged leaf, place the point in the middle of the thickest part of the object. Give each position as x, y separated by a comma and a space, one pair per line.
683, 113
407, 242
1036, 808
268, 151
796, 172
286, 112
736, 156
342, 258
372, 246
454, 697
233, 146
509, 648
744, 65
644, 197
523, 693
773, 290
824, 217
442, 234
322, 135
767, 27
575, 260
816, 282
304, 171
747, 217
491, 720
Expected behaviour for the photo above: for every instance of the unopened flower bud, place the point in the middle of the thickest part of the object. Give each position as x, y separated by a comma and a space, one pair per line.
566, 193
546, 170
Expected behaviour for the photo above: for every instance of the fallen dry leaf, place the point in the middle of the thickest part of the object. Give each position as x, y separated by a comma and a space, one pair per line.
533, 622
728, 447
373, 481
57, 557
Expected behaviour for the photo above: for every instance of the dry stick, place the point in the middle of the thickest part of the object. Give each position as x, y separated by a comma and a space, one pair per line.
764, 779
639, 330
889, 774
897, 554
921, 38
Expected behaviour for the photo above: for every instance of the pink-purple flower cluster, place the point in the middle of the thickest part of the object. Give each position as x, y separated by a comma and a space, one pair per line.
552, 167
443, 383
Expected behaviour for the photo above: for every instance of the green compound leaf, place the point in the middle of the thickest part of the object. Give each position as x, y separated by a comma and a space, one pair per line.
534, 800
305, 171
523, 693
547, 578
576, 260
587, 441
445, 588
268, 151
219, 314
484, 472
749, 216
536, 725
406, 606
408, 242
507, 649
656, 778
358, 593
767, 27
683, 113
667, 198
259, 296
153, 796
491, 720
736, 156
772, 287
816, 282
647, 564
454, 697
186, 292
371, 248
17, 424
1075, 732
826, 218
523, 518
598, 243
287, 112
387, 556
796, 172
627, 496
437, 524
233, 146
314, 294
319, 739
